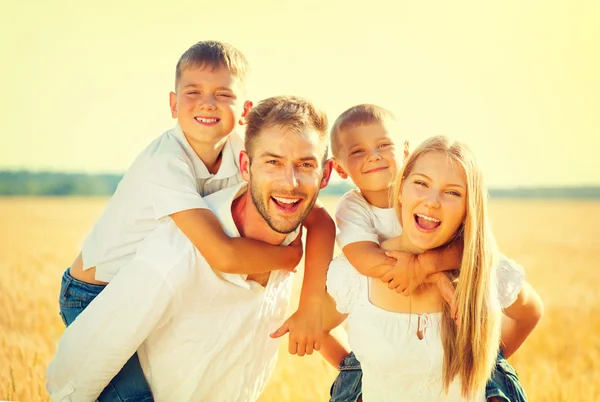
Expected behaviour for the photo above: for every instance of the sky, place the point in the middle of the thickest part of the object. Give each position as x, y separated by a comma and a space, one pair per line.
85, 84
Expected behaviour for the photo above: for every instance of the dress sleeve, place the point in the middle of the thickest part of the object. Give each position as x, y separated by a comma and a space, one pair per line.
510, 280
354, 220
345, 284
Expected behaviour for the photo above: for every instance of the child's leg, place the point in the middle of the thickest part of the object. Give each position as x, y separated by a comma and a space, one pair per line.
504, 384
129, 384
347, 386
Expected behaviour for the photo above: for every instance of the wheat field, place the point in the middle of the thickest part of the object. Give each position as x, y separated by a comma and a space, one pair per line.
558, 243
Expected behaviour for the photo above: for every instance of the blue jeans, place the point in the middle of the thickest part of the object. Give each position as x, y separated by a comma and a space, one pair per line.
503, 385
129, 385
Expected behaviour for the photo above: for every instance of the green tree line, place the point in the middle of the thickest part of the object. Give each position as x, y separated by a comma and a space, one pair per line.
27, 183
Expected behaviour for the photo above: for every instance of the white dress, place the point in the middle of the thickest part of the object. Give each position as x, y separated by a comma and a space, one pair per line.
396, 364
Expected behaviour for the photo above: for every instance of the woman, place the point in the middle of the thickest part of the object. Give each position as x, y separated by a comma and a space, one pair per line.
411, 348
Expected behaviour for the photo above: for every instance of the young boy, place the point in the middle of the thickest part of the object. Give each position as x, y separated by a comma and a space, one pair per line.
363, 148
169, 179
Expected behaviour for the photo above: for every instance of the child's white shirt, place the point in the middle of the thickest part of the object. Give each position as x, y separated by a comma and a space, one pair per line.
357, 220
167, 177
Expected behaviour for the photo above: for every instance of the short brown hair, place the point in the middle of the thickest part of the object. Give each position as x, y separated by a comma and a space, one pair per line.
356, 116
214, 55
292, 112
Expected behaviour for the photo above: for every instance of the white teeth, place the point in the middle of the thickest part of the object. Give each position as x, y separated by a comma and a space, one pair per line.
204, 120
428, 218
286, 200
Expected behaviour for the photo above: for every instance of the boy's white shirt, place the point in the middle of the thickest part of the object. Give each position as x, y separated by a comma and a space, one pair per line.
167, 177
202, 335
357, 220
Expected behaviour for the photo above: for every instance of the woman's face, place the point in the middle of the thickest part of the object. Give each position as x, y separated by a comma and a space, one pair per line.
433, 198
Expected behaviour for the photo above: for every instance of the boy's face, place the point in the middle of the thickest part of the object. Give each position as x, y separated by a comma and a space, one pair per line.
285, 175
208, 104
367, 154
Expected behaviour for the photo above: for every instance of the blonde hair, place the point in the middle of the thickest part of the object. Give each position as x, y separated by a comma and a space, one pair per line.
213, 55
471, 345
356, 116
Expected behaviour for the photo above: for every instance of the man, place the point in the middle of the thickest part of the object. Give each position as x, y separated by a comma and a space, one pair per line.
200, 334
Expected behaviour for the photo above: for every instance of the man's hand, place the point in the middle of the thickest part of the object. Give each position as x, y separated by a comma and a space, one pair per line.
305, 328
406, 275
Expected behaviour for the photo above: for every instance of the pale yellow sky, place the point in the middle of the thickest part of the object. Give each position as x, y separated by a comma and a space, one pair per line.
85, 87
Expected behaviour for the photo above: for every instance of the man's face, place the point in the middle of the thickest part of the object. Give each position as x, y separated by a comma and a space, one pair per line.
285, 175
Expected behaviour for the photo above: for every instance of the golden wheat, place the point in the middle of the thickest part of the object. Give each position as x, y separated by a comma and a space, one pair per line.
558, 242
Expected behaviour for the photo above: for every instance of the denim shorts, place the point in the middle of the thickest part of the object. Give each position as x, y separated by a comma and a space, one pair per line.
129, 385
504, 383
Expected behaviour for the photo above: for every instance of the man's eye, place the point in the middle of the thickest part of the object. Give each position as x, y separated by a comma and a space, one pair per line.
271, 162
307, 166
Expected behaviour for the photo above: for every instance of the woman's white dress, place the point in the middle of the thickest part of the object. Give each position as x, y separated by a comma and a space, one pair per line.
396, 364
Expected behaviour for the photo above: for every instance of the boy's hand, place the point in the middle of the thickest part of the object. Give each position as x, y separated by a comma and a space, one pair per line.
305, 328
406, 275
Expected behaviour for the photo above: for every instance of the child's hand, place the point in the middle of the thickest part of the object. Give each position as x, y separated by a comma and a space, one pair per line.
305, 328
406, 275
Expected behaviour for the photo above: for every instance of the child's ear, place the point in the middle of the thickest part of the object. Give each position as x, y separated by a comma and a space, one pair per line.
247, 106
173, 104
339, 169
245, 165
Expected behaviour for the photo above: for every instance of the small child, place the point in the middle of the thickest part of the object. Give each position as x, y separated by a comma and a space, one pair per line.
364, 148
169, 179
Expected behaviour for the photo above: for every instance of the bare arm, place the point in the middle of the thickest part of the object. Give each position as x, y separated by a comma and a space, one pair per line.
304, 325
520, 319
332, 349
368, 258
233, 254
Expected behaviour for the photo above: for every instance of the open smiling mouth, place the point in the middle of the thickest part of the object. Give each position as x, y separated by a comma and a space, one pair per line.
286, 204
207, 121
426, 223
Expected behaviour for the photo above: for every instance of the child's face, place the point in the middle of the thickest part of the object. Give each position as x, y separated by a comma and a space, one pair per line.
208, 104
434, 200
367, 154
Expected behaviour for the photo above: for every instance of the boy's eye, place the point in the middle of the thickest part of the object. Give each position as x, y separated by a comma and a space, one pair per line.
225, 95
385, 145
193, 93
356, 151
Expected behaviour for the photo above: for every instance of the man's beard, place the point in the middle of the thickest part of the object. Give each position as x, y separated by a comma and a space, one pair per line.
262, 209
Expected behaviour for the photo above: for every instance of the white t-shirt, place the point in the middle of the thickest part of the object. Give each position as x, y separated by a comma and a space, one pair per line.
204, 335
167, 177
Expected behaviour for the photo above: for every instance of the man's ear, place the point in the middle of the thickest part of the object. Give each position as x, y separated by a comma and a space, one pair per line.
247, 106
327, 169
245, 165
173, 104
339, 169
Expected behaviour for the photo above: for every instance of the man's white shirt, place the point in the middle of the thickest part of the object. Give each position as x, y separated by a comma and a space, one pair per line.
202, 335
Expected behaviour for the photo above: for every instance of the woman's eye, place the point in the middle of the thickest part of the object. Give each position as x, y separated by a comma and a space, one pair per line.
421, 183
454, 193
